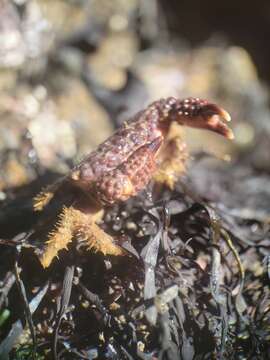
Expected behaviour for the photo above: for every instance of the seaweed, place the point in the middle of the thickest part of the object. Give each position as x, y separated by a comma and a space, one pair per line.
193, 287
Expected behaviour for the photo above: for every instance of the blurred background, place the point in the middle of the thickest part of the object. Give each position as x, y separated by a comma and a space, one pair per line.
71, 71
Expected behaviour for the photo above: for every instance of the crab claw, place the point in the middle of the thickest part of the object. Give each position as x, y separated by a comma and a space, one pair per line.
213, 118
201, 114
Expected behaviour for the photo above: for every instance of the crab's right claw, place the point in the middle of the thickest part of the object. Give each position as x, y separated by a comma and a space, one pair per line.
198, 113
214, 118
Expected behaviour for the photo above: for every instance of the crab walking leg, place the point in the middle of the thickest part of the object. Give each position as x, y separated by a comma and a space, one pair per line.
45, 196
98, 240
72, 223
59, 237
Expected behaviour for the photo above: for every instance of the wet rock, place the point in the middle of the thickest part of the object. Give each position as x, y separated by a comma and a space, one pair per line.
24, 36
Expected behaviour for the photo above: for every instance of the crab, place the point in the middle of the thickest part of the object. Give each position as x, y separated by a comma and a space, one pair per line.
142, 149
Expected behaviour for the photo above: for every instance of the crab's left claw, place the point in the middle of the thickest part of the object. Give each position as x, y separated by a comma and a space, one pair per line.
198, 113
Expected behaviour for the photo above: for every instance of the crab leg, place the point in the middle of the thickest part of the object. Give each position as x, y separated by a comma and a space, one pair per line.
74, 223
